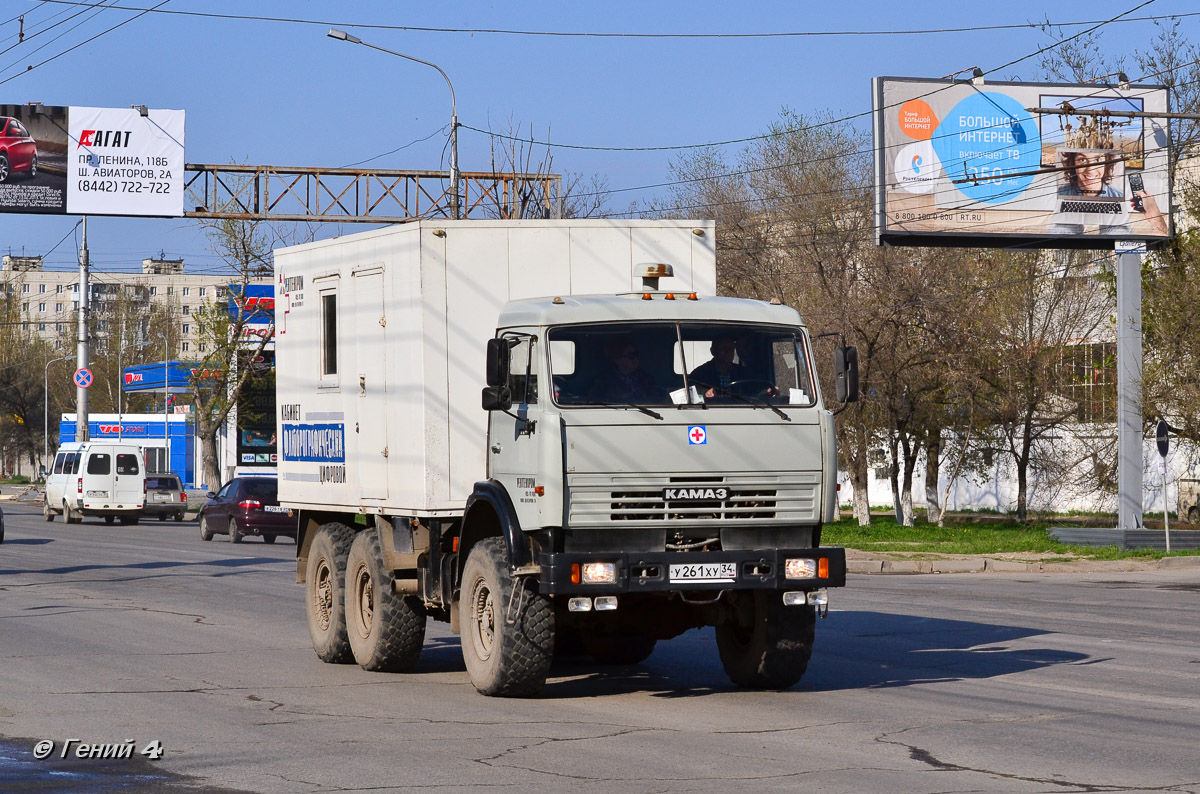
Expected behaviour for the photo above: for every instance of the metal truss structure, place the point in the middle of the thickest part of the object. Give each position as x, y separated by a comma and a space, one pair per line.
362, 195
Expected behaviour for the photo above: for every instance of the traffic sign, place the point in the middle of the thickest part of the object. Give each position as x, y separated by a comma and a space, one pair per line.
1160, 435
83, 377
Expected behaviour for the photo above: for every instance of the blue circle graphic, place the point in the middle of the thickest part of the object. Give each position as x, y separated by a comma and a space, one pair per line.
987, 138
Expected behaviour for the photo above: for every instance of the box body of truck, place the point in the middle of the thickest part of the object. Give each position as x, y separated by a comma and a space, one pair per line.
549, 512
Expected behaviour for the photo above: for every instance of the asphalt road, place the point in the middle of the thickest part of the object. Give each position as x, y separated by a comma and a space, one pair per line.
980, 683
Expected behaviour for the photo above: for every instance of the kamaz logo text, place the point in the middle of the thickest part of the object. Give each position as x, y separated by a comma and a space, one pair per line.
111, 138
679, 494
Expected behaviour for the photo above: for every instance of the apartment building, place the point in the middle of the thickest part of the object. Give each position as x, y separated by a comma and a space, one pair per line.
49, 299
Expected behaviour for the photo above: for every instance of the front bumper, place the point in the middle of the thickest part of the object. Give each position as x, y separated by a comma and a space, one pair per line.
649, 572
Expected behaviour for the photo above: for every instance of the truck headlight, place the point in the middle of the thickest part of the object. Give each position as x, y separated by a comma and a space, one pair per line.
800, 568
599, 573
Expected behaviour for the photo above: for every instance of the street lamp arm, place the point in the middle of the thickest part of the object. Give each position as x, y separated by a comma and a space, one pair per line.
342, 35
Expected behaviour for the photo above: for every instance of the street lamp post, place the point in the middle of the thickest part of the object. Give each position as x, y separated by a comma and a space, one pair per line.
342, 35
46, 397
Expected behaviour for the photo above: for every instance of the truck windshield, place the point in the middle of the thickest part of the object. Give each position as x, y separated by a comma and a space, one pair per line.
730, 364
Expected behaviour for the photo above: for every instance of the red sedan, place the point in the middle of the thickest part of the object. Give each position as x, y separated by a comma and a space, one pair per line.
246, 506
18, 150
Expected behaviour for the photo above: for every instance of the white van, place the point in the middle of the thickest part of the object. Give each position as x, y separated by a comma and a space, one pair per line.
96, 478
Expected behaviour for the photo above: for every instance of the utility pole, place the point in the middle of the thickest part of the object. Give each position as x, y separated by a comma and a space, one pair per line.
81, 354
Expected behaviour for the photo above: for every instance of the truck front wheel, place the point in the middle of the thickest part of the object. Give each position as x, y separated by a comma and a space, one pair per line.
325, 586
766, 645
386, 629
504, 659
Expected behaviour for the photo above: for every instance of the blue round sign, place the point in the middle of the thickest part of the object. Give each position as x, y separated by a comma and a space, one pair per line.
83, 378
989, 139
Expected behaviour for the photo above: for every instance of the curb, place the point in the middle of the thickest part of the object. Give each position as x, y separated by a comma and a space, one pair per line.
981, 565
1179, 562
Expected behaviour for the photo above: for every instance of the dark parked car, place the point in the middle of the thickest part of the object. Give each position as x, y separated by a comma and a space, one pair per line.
18, 150
246, 506
164, 497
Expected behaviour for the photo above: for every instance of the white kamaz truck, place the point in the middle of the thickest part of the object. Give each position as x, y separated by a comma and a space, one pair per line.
644, 458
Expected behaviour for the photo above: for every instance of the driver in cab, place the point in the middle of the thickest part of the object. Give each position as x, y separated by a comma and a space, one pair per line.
722, 378
720, 372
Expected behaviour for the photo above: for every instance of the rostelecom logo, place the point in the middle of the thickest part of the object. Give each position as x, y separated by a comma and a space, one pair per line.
916, 168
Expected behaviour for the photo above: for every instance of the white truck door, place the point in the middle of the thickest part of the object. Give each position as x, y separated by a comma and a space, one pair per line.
370, 342
513, 440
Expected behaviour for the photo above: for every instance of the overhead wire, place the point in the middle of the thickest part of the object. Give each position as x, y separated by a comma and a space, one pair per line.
747, 139
86, 41
600, 35
41, 31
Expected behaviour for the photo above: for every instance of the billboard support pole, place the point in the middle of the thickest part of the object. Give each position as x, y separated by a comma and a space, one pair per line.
1129, 389
81, 351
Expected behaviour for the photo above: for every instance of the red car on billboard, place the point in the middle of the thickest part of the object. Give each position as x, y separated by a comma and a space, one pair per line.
18, 150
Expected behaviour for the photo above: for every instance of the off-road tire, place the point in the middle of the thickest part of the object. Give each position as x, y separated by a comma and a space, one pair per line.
386, 630
325, 592
768, 644
619, 648
235, 534
205, 532
47, 513
502, 659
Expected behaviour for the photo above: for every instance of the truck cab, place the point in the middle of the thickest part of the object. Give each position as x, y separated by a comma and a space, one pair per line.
669, 463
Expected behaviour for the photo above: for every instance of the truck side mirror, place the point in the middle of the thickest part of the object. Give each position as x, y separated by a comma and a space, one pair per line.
498, 356
497, 398
845, 377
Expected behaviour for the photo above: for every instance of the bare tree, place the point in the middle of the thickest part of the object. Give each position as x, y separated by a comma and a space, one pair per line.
1038, 308
535, 196
232, 332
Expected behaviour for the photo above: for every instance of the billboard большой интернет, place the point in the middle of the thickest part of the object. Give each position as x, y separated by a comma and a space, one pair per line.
959, 163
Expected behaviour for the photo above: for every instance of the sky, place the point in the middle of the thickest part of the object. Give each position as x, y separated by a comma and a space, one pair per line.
273, 92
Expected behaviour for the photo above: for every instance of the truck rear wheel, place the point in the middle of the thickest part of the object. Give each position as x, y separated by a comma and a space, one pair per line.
503, 659
325, 587
386, 630
767, 645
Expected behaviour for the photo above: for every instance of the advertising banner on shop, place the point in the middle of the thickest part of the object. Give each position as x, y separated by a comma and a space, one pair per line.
960, 163
91, 161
